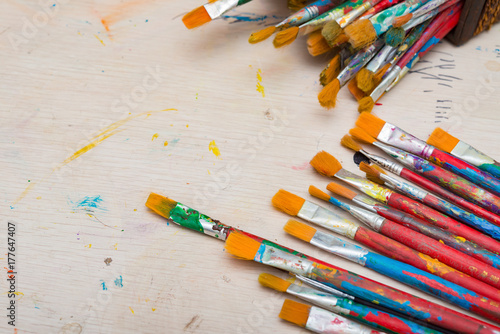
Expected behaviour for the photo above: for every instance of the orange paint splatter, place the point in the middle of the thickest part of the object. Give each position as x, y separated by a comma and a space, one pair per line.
260, 88
165, 143
154, 136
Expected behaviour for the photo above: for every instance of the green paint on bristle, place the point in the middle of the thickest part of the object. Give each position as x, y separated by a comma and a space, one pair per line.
395, 36
188, 217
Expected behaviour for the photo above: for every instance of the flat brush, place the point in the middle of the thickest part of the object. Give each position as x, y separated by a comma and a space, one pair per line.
483, 220
392, 135
319, 320
431, 5
449, 144
394, 269
345, 307
210, 11
244, 247
328, 165
311, 212
366, 76
338, 62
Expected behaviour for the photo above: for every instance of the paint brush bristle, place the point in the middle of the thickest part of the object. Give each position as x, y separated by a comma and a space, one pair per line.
331, 71
380, 75
365, 80
196, 18
261, 35
316, 44
442, 140
295, 312
314, 191
300, 230
395, 36
365, 105
355, 91
341, 190
288, 202
285, 37
160, 204
328, 95
331, 31
370, 123
361, 135
242, 246
372, 174
402, 20
349, 143
273, 282
326, 164
361, 33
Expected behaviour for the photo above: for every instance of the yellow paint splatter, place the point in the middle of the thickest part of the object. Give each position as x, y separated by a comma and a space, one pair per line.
214, 149
153, 309
88, 246
131, 310
100, 40
260, 88
165, 143
115, 246
154, 136
39, 197
187, 125
460, 239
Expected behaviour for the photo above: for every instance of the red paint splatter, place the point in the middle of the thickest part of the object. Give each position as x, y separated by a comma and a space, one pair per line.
303, 166
378, 104
337, 321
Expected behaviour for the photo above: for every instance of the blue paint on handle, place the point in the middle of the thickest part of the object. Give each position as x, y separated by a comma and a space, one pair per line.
491, 168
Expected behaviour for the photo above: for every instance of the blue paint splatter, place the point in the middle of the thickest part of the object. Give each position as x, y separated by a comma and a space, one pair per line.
89, 203
248, 17
119, 282
175, 141
103, 284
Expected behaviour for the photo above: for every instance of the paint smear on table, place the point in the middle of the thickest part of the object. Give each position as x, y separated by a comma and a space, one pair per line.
154, 136
131, 310
122, 11
303, 166
96, 140
212, 147
493, 66
89, 203
100, 40
119, 282
260, 88
103, 285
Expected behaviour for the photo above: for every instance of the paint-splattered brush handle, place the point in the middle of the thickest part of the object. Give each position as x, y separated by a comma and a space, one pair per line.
309, 12
358, 61
397, 251
384, 4
217, 8
466, 152
485, 227
383, 21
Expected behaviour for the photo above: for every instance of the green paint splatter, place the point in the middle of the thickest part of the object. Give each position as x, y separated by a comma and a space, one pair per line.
187, 217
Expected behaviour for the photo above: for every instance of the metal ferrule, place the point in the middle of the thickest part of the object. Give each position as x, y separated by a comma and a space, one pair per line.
354, 14
339, 247
359, 60
401, 74
468, 153
392, 135
381, 58
323, 321
317, 297
416, 20
384, 163
369, 218
366, 202
277, 258
386, 81
324, 287
319, 22
326, 218
200, 222
407, 159
404, 187
217, 8
368, 187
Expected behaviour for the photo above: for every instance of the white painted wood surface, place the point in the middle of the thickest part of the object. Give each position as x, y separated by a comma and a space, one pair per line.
65, 79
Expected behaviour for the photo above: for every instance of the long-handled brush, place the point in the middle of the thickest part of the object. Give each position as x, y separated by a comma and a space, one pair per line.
208, 12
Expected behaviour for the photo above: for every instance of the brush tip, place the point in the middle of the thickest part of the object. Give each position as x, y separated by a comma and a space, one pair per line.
160, 204
316, 192
331, 31
341, 190
365, 105
395, 36
295, 312
242, 246
300, 230
442, 140
331, 71
354, 90
273, 282
365, 80
361, 33
361, 135
288, 202
261, 35
370, 123
196, 18
326, 164
372, 174
402, 20
349, 143
285, 37
316, 44
328, 95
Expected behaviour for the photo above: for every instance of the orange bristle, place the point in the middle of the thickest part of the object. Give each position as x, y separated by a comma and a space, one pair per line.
372, 174
343, 38
313, 191
355, 91
348, 142
285, 37
288, 202
326, 164
160, 204
196, 18
370, 123
296, 5
402, 20
362, 135
273, 282
242, 246
331, 71
365, 80
261, 35
341, 190
328, 95
360, 33
295, 312
380, 75
300, 230
442, 140
365, 105
316, 44
331, 31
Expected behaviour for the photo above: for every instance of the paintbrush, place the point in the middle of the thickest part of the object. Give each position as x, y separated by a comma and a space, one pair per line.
317, 44
417, 241
328, 165
366, 76
328, 96
311, 212
296, 5
345, 307
365, 31
244, 247
319, 320
394, 269
304, 15
384, 4
431, 5
392, 135
443, 22
353, 88
449, 144
485, 224
473, 250
335, 65
209, 11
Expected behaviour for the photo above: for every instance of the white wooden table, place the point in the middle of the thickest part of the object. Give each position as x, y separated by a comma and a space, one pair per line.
158, 108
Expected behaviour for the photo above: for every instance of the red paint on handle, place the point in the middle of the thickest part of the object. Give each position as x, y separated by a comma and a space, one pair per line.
431, 186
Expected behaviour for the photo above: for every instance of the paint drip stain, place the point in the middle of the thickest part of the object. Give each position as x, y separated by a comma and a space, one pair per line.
131, 310
493, 66
100, 40
212, 147
119, 282
260, 88
108, 261
154, 136
165, 143
89, 204
103, 285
